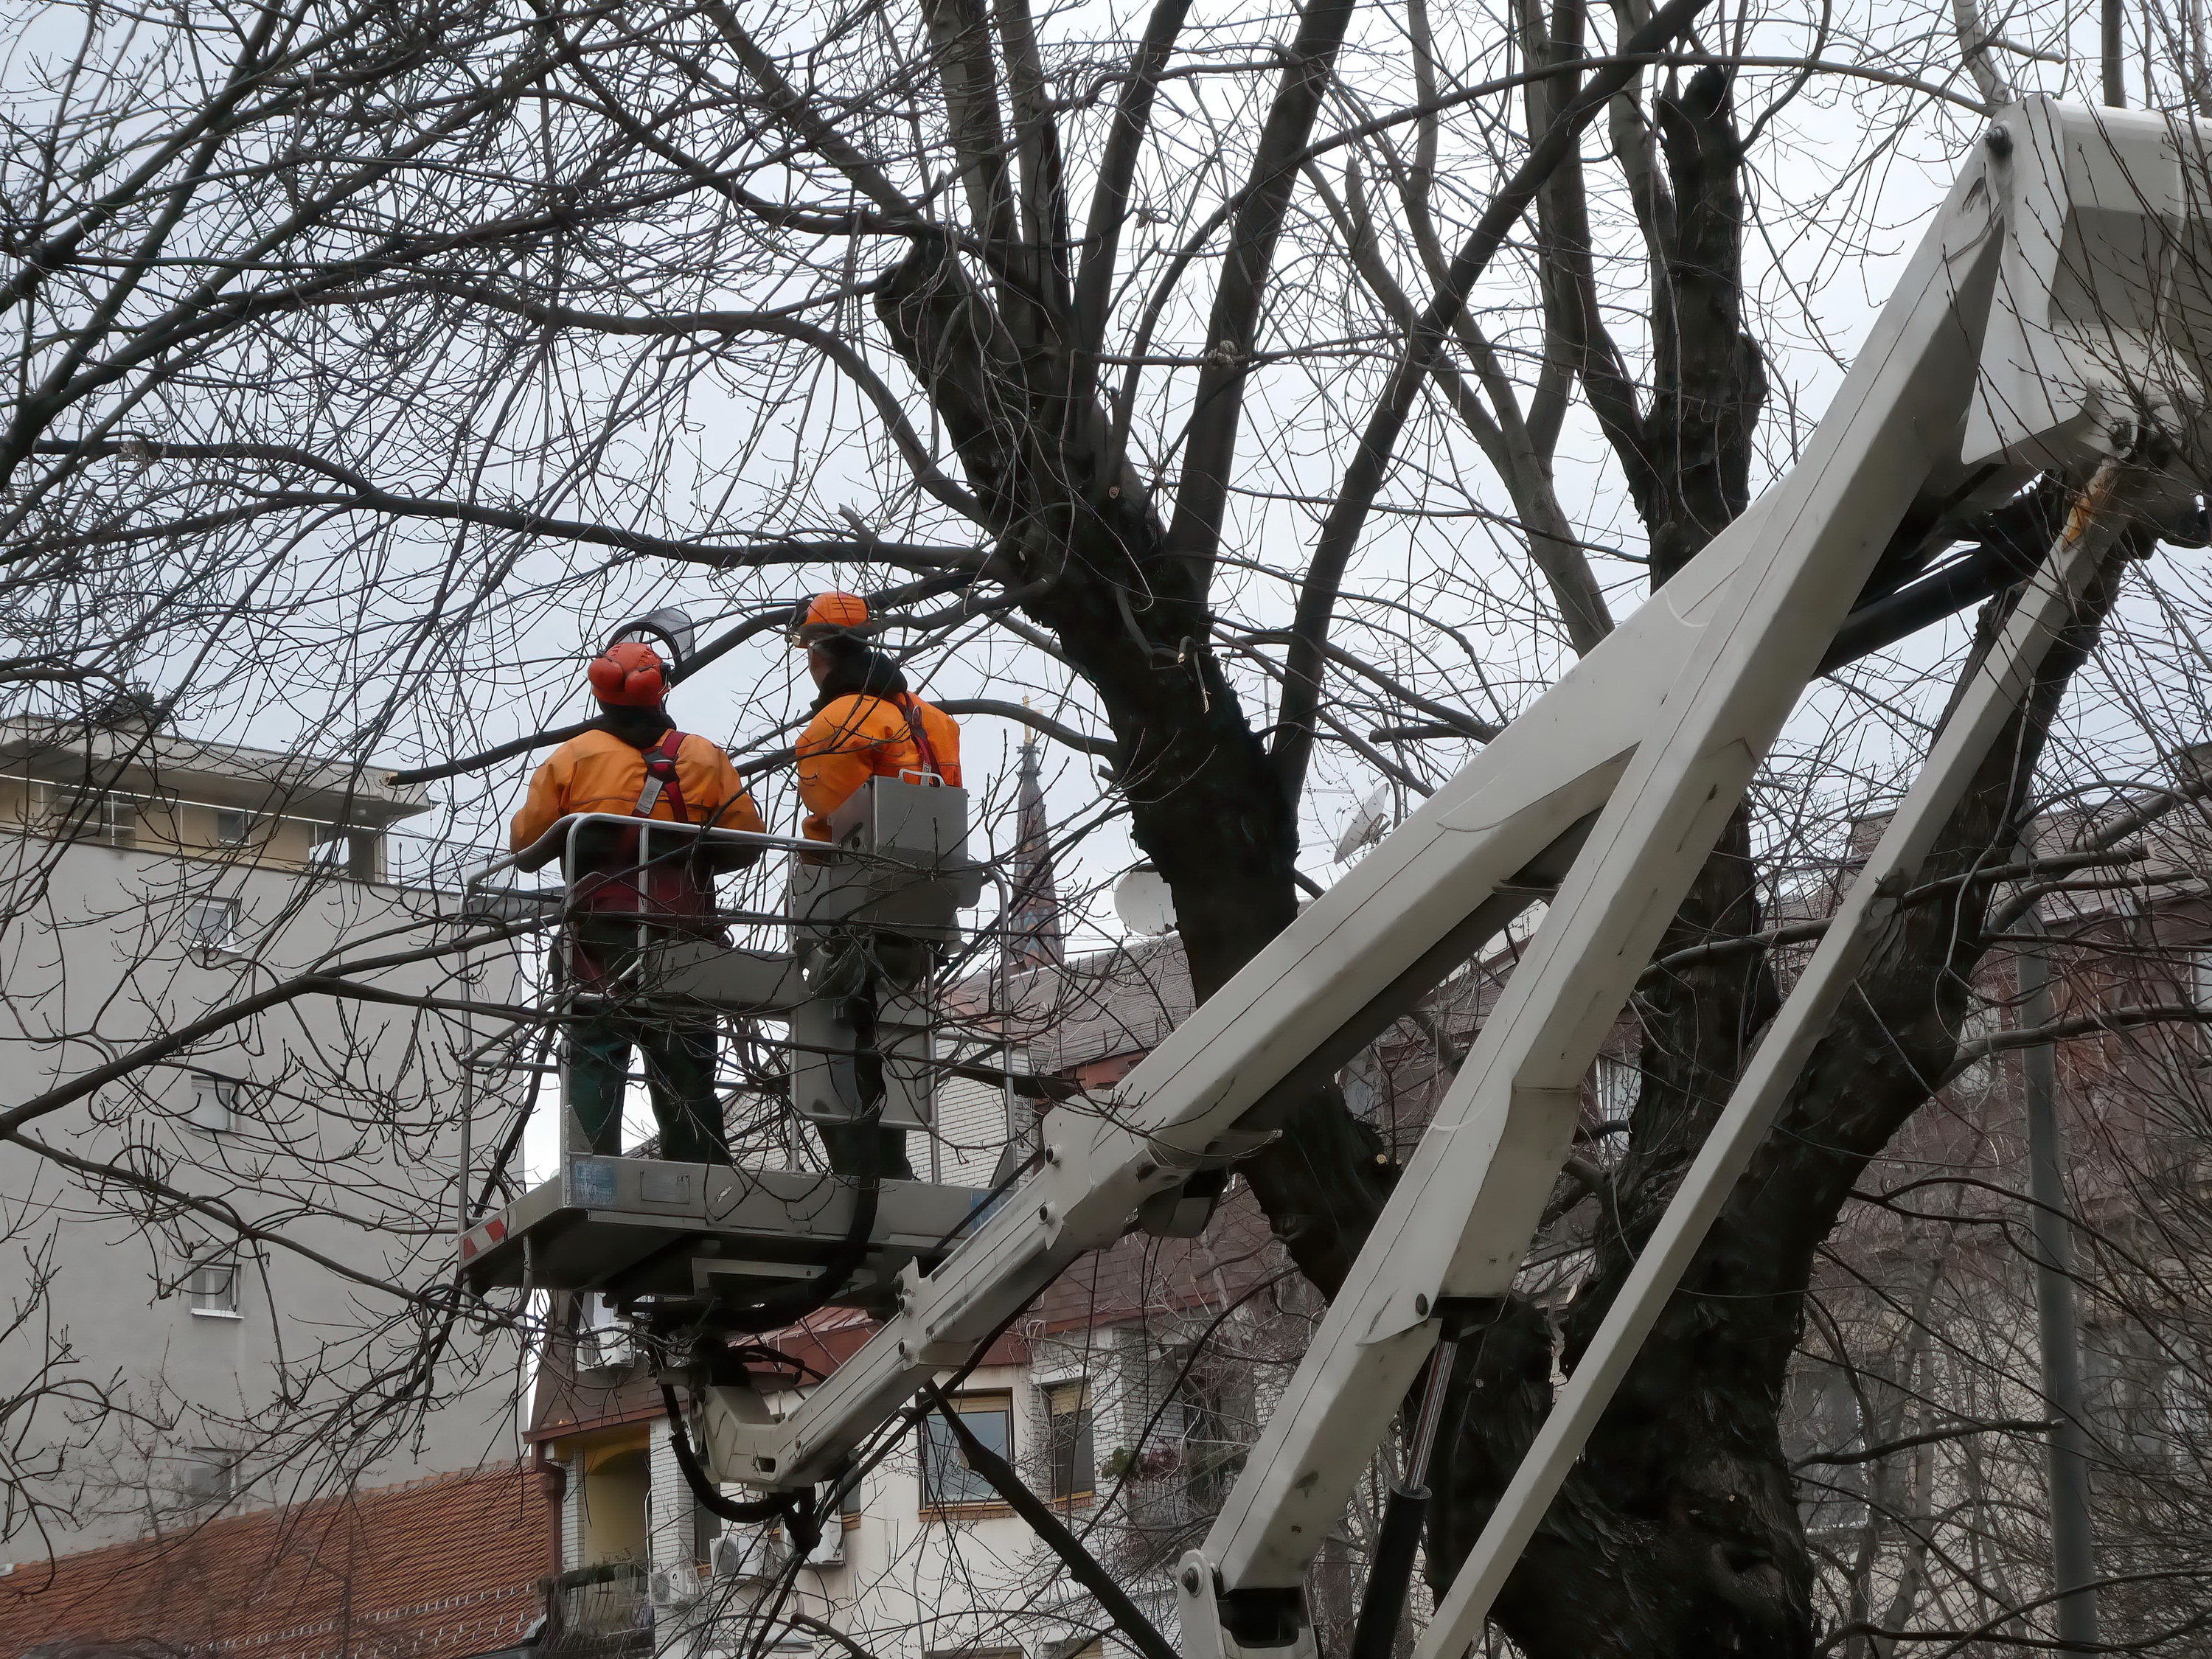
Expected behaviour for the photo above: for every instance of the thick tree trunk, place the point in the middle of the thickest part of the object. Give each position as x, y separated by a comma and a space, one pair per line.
1205, 801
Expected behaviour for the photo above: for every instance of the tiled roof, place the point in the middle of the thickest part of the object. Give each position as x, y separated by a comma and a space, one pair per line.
1121, 1001
436, 1568
1139, 1277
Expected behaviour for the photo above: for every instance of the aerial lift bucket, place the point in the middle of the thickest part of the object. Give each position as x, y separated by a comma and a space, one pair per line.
868, 916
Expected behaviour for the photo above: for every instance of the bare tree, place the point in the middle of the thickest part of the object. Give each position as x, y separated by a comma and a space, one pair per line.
369, 362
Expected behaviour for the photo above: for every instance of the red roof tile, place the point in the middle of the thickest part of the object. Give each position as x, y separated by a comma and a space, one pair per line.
436, 1568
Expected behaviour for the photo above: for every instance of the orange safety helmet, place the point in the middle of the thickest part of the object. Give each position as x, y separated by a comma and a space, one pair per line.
628, 675
828, 613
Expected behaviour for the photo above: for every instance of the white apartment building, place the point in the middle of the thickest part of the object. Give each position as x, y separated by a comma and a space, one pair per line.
221, 1274
925, 1561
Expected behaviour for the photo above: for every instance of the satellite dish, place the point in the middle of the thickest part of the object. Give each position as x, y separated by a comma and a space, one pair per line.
1143, 901
669, 627
1370, 823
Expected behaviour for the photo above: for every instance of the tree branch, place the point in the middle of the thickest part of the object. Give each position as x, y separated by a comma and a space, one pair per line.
370, 497
1364, 479
1218, 401
1955, 1432
776, 617
1109, 198
1083, 1566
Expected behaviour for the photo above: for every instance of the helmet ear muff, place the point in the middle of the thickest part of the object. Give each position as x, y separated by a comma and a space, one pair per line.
628, 675
607, 677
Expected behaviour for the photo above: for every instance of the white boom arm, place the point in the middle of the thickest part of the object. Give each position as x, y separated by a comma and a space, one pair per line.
2046, 321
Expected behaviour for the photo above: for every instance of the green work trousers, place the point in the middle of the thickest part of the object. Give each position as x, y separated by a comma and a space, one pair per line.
679, 1072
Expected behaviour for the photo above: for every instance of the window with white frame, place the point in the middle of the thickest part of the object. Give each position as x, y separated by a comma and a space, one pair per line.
233, 826
211, 924
118, 819
210, 1475
103, 817
948, 1480
1613, 1086
211, 1287
215, 1105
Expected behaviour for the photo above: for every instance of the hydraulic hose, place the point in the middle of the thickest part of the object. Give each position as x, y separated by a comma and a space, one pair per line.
748, 1511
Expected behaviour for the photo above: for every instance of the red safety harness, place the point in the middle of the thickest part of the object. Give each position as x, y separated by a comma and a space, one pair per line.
931, 771
661, 776
669, 887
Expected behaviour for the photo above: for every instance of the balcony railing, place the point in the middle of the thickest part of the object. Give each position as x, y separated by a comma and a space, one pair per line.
598, 1612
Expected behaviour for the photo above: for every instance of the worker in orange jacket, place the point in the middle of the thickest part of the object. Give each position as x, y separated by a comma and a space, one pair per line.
634, 762
866, 724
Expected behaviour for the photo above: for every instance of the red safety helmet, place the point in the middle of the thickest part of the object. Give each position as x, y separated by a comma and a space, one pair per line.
825, 614
628, 675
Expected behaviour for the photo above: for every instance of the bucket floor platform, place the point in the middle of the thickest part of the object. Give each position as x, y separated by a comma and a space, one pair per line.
636, 1226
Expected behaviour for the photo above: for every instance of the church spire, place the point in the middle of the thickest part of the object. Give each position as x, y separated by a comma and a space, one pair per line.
1035, 941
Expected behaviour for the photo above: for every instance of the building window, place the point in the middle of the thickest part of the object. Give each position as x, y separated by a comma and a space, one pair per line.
106, 817
1824, 1419
210, 1476
1614, 1084
211, 1287
946, 1479
215, 1105
1068, 1423
2149, 1400
359, 853
1976, 1026
1213, 1450
233, 826
118, 820
706, 1527
2187, 1407
211, 925
1363, 1083
364, 856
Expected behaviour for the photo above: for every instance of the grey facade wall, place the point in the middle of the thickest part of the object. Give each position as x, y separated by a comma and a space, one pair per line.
344, 1155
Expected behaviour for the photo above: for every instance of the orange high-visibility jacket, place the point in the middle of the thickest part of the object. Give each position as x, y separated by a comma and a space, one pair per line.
598, 772
854, 738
